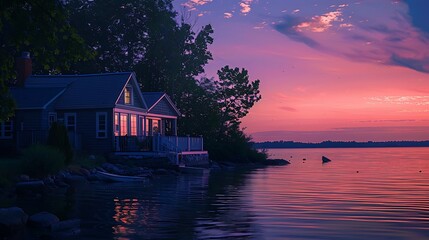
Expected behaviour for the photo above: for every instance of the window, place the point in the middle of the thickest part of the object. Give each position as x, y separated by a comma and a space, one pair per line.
148, 127
128, 95
116, 124
101, 125
141, 126
6, 130
133, 125
70, 121
52, 117
124, 124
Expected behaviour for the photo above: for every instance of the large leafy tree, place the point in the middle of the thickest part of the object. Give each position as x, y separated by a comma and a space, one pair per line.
169, 56
40, 27
146, 37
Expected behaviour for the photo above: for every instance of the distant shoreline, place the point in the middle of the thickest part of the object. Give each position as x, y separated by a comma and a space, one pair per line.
331, 144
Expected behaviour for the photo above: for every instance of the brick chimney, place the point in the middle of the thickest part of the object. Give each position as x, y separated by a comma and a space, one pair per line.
24, 67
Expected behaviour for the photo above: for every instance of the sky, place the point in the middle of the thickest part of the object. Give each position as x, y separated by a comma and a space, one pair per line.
329, 70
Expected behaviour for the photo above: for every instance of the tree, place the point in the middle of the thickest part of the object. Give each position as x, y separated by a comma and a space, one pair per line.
40, 27
235, 94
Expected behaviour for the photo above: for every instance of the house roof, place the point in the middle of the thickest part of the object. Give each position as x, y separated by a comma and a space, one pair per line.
153, 98
83, 91
34, 98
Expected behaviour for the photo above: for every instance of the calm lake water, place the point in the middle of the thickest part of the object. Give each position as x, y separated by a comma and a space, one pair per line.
373, 193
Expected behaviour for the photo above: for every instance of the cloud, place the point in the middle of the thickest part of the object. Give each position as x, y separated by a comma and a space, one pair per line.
390, 39
400, 100
245, 6
287, 27
191, 4
319, 23
227, 15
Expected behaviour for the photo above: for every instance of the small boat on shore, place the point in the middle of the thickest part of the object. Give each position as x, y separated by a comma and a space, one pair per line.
110, 177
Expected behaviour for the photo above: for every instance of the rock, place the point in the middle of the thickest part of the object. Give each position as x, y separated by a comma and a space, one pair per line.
43, 219
276, 162
30, 187
13, 216
65, 225
23, 178
325, 159
75, 179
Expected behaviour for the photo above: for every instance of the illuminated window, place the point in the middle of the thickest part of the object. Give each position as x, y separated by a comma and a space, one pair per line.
6, 130
116, 124
128, 95
101, 125
133, 125
124, 124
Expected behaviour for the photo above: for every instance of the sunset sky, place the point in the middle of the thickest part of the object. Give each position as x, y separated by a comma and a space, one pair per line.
329, 70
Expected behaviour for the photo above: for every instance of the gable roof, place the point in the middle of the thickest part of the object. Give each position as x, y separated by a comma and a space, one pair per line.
153, 98
34, 98
83, 91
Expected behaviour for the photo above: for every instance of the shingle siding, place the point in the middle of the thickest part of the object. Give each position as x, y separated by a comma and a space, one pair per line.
163, 107
86, 131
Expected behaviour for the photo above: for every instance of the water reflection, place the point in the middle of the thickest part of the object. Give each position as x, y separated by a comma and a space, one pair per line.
380, 196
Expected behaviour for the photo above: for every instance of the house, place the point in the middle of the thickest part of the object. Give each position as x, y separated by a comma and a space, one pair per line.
103, 113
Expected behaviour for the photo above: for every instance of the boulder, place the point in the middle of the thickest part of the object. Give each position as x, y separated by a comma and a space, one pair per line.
30, 187
75, 179
325, 159
13, 216
276, 162
43, 220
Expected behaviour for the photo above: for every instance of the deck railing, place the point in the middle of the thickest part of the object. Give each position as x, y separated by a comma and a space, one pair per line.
158, 143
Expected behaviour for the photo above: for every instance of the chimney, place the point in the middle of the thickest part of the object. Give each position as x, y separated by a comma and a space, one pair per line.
23, 68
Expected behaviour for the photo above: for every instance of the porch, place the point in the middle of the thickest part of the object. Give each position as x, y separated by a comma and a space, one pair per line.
179, 150
158, 143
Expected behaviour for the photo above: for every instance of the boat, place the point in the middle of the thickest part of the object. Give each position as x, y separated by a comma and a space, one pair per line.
110, 177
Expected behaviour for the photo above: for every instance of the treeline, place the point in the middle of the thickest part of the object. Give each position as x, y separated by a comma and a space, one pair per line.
339, 144
147, 37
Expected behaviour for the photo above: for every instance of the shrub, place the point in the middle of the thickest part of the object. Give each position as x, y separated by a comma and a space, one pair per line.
9, 169
58, 138
42, 160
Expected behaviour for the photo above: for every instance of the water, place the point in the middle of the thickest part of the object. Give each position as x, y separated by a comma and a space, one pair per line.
375, 193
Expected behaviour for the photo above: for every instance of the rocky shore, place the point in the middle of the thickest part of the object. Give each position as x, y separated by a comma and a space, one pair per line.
15, 223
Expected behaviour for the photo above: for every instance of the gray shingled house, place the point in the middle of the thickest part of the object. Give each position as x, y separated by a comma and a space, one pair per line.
103, 113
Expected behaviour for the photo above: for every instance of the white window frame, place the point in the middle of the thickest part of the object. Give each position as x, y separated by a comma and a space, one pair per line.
54, 117
3, 130
98, 130
129, 89
66, 121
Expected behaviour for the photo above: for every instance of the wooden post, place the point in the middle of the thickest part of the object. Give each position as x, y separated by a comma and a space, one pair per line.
202, 142
189, 143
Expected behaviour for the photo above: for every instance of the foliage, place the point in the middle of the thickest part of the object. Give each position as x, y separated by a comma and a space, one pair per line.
89, 161
41, 160
40, 27
9, 168
234, 146
58, 138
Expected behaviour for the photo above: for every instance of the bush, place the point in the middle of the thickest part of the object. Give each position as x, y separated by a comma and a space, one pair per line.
9, 169
41, 160
58, 138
